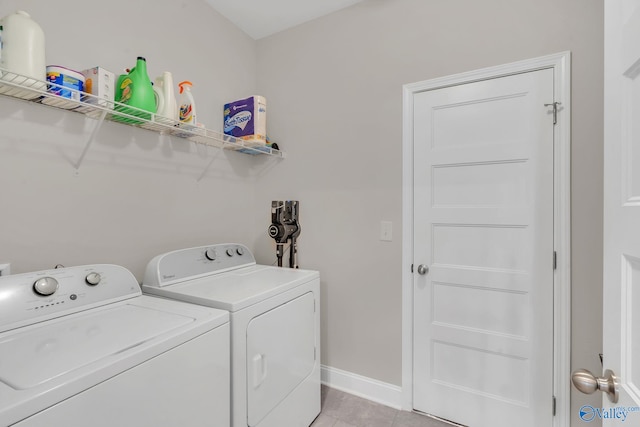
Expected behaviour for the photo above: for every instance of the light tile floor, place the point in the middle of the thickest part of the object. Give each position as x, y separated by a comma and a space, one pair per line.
341, 409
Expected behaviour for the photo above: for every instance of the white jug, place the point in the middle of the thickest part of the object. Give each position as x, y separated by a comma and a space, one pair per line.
165, 97
22, 52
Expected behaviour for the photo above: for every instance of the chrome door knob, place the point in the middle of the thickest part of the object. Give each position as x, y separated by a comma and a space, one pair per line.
588, 383
423, 269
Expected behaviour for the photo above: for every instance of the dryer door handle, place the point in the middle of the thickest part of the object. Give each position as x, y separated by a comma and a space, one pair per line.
259, 369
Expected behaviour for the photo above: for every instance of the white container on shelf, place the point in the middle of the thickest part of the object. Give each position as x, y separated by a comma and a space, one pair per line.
101, 84
99, 88
167, 106
67, 84
22, 54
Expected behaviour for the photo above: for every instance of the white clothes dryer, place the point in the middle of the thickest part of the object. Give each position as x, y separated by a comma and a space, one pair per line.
82, 346
275, 328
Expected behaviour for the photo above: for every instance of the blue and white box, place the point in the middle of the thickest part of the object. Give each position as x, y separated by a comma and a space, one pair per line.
246, 119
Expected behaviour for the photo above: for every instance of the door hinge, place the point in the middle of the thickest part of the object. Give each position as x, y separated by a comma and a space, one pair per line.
412, 268
553, 406
555, 260
555, 110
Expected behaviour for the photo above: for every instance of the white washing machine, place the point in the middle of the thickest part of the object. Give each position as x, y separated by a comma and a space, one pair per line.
82, 346
275, 328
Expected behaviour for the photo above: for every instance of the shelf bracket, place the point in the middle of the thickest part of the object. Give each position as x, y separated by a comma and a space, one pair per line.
95, 131
208, 166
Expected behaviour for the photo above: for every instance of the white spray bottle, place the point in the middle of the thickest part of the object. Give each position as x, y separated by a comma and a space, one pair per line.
187, 105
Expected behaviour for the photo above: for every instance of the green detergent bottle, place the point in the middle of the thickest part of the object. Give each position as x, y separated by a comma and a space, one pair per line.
135, 89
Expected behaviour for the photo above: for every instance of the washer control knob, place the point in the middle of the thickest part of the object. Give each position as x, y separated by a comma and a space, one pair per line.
93, 279
210, 254
230, 252
240, 251
45, 286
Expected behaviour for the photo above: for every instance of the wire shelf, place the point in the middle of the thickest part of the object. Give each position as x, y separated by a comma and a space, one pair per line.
27, 88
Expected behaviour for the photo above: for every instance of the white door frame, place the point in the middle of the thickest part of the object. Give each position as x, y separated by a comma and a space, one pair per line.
561, 65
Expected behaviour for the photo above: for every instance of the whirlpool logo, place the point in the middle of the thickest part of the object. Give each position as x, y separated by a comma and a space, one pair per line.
588, 413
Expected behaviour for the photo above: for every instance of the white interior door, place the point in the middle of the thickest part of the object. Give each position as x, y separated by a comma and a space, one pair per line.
483, 226
621, 296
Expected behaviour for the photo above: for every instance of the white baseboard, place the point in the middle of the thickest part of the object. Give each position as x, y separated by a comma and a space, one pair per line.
367, 388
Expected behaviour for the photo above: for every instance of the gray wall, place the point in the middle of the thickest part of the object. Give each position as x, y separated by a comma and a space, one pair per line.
334, 91
334, 88
137, 194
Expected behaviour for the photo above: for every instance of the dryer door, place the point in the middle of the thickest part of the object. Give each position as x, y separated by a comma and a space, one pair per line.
280, 354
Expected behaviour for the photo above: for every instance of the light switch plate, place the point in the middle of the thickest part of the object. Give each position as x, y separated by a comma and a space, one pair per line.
386, 231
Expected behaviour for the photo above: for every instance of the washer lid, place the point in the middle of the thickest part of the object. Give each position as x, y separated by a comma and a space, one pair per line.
236, 289
34, 355
44, 363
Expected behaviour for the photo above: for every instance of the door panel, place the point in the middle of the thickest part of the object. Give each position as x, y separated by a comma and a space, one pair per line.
479, 308
458, 367
480, 185
483, 223
621, 305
